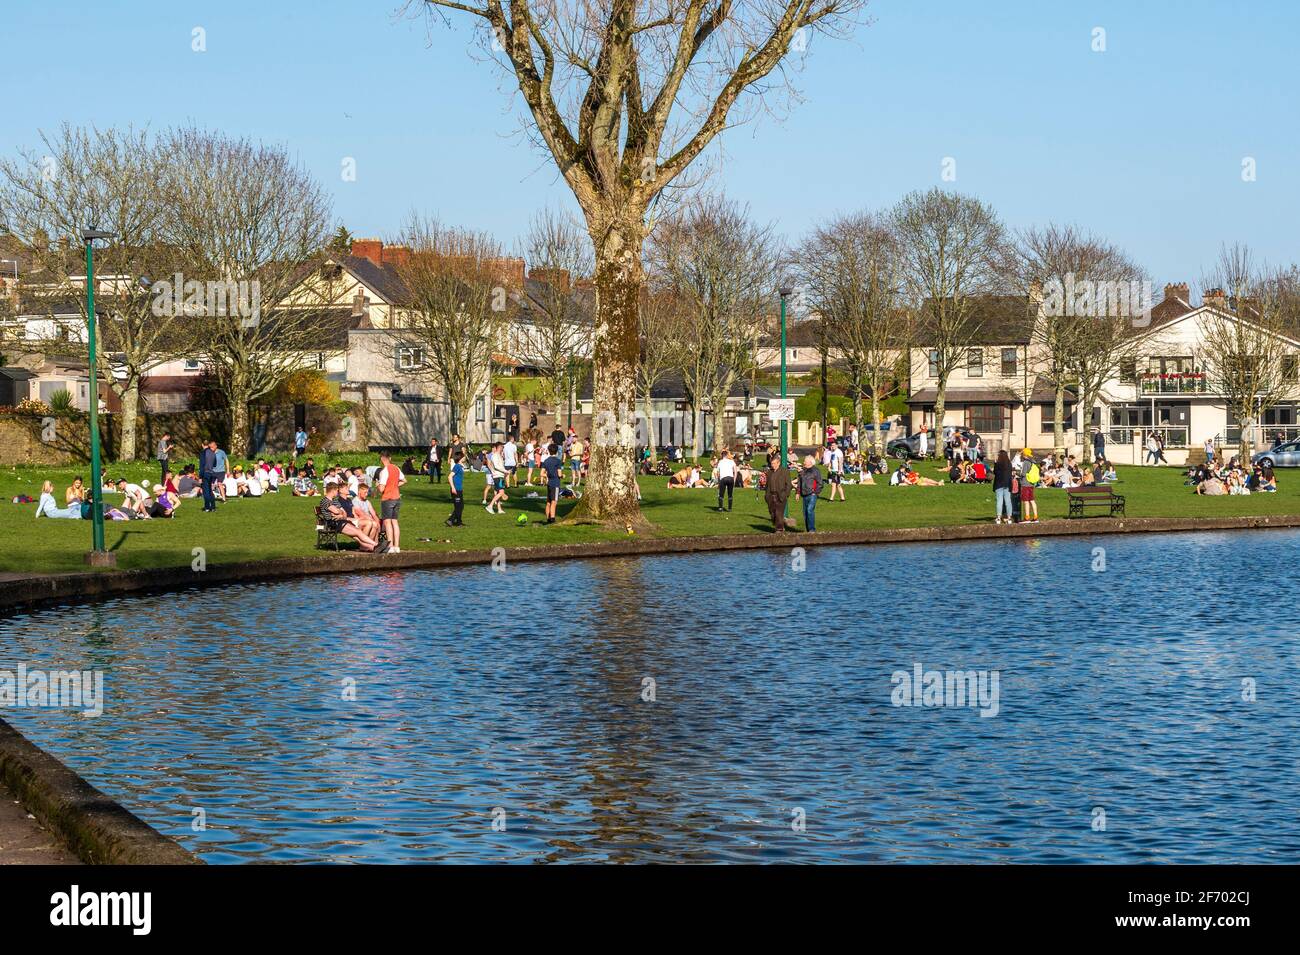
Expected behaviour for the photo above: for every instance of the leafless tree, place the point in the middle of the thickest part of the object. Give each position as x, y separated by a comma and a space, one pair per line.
661, 317
108, 180
558, 325
459, 304
248, 217
1250, 360
950, 249
850, 271
1080, 338
721, 267
623, 97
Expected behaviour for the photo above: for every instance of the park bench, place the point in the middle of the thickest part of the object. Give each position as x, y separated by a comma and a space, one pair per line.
327, 534
1098, 497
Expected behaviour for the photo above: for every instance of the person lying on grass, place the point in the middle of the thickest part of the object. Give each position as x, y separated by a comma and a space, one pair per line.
685, 478
46, 507
906, 476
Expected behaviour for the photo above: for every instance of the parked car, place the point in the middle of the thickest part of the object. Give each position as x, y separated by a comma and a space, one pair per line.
1285, 455
909, 447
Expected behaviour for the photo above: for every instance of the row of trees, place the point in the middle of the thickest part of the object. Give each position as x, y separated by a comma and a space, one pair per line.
226, 213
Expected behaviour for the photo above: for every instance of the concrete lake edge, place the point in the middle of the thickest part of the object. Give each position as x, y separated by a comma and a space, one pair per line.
99, 830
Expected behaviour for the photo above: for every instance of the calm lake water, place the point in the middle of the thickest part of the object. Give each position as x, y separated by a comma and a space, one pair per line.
518, 698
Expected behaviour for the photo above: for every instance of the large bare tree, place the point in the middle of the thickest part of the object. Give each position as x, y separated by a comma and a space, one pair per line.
624, 96
721, 268
1249, 358
1082, 333
247, 218
951, 248
850, 271
111, 180
558, 326
459, 304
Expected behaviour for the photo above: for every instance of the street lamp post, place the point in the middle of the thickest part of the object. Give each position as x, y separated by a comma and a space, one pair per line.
786, 292
98, 556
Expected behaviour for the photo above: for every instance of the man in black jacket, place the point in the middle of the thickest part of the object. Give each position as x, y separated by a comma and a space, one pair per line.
207, 464
810, 484
777, 491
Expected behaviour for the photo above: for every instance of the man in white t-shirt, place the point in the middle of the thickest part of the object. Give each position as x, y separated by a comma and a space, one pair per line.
922, 444
835, 467
725, 472
510, 459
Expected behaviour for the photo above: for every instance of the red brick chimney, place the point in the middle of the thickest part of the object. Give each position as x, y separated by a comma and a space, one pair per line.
395, 255
1216, 297
372, 249
556, 278
1178, 290
508, 270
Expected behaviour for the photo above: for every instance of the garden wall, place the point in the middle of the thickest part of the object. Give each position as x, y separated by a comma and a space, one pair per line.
64, 440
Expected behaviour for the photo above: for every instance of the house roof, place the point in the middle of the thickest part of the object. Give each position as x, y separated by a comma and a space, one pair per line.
1042, 392
17, 374
672, 387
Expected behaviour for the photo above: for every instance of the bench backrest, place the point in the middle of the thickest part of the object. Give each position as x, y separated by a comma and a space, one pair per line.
1091, 491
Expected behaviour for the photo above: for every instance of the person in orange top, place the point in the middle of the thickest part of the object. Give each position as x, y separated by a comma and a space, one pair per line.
391, 480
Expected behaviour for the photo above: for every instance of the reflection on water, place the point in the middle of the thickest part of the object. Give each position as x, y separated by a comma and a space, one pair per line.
518, 697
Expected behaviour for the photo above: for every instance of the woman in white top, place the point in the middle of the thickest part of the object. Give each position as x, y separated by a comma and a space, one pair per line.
47, 508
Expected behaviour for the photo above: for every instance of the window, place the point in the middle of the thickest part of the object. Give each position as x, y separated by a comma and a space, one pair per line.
409, 357
1128, 371
1290, 366
480, 409
191, 364
975, 362
988, 419
934, 363
1009, 362
318, 362
1049, 418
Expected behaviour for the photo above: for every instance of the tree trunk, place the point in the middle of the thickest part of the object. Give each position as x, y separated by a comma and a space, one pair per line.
1058, 422
611, 483
237, 392
1085, 425
127, 431
697, 430
936, 439
650, 428
876, 436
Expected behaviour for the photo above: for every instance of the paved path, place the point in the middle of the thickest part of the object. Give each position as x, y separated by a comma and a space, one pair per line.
22, 839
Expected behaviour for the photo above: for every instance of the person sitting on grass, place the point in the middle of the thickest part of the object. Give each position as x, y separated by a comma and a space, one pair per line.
46, 507
1212, 486
136, 499
1265, 478
335, 519
687, 477
76, 492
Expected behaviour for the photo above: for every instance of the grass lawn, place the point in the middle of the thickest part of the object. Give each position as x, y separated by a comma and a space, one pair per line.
281, 525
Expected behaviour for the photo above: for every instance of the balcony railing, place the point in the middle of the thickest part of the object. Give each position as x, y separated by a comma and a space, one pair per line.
1173, 437
1187, 383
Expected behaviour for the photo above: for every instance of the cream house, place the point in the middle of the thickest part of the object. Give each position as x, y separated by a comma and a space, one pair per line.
1164, 386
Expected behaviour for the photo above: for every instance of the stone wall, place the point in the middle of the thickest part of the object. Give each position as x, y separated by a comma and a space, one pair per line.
64, 440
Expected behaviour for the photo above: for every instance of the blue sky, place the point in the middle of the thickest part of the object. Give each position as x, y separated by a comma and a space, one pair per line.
1142, 143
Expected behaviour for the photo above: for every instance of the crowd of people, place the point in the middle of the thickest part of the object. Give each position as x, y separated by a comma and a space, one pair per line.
557, 464
1218, 477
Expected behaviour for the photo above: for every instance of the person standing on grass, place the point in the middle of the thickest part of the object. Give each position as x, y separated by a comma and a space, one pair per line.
1002, 480
164, 452
435, 462
553, 468
207, 474
510, 459
299, 443
497, 478
725, 472
777, 491
575, 459
1028, 506
391, 480
836, 469
456, 482
810, 484
1098, 443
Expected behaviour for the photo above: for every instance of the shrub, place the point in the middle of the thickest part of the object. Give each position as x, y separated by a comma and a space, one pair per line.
32, 406
306, 386
61, 402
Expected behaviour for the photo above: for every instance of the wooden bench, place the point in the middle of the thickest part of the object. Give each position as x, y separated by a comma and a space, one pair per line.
1098, 497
